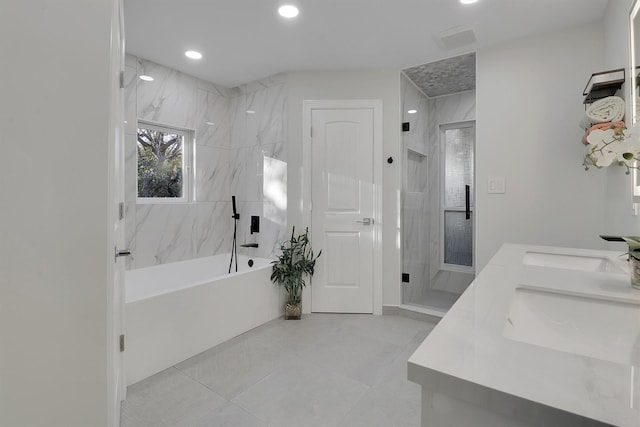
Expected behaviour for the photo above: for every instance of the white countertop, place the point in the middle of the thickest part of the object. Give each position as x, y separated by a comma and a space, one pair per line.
468, 343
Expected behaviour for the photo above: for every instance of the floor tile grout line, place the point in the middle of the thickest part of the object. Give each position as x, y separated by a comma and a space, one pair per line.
202, 384
313, 334
355, 404
319, 367
246, 411
235, 404
222, 397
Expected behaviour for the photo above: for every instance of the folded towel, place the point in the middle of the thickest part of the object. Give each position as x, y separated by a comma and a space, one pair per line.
609, 109
602, 126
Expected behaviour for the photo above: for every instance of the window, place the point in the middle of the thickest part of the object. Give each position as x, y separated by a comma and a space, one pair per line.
163, 163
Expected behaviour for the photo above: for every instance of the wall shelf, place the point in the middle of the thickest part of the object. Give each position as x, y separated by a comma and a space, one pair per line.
603, 84
416, 151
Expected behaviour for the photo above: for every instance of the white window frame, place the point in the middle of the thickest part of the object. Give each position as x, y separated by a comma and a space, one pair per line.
443, 208
188, 163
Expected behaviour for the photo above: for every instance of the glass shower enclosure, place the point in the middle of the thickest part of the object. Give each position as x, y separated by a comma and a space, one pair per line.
438, 217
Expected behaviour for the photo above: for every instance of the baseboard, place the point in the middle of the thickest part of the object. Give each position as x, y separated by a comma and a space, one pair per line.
418, 313
390, 310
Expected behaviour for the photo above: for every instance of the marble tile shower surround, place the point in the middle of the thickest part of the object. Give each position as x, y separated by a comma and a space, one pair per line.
415, 245
232, 149
421, 203
415, 213
413, 99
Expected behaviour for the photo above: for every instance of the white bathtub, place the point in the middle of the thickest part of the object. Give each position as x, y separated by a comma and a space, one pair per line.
175, 311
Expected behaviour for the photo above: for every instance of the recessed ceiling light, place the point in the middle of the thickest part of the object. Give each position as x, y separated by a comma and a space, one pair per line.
146, 78
288, 11
209, 123
468, 1
412, 111
193, 54
250, 112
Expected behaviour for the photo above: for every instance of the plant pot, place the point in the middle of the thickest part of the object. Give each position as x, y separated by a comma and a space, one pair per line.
634, 272
293, 311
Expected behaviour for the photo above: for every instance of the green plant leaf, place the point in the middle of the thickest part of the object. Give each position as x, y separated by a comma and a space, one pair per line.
633, 242
294, 262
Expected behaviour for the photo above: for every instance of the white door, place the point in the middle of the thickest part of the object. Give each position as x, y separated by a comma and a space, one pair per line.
342, 218
117, 383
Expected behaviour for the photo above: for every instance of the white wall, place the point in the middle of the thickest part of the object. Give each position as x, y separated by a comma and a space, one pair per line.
358, 84
616, 33
54, 257
529, 104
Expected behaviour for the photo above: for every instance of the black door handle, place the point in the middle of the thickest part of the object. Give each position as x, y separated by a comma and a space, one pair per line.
467, 199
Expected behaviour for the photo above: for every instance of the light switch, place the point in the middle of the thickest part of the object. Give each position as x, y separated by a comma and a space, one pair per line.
496, 185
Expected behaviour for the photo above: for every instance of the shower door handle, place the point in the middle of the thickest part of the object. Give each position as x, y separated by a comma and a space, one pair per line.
467, 199
366, 221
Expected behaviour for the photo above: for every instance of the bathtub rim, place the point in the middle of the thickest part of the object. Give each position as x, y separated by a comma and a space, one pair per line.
241, 259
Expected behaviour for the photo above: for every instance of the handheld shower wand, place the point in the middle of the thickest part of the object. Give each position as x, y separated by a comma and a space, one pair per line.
234, 247
233, 203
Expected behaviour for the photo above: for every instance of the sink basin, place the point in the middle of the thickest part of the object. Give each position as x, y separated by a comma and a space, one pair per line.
571, 262
584, 325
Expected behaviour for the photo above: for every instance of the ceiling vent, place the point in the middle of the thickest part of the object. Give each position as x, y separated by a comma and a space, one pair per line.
456, 37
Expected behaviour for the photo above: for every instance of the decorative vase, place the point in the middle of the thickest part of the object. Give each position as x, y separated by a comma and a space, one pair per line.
634, 271
293, 311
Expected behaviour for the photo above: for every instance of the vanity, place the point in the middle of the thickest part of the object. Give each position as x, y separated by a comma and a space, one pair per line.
544, 336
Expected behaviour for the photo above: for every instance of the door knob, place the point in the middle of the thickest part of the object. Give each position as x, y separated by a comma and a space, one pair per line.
366, 221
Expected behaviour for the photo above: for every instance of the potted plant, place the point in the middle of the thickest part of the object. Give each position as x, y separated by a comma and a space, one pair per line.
634, 259
290, 268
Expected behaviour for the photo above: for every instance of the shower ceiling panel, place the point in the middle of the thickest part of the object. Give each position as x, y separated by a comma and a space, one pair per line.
445, 77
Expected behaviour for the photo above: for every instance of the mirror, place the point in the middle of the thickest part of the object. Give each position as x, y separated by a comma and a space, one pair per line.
634, 91
634, 34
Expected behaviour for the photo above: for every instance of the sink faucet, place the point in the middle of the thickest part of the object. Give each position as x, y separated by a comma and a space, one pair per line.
610, 238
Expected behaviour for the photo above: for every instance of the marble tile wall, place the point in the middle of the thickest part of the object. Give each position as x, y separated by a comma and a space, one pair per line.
415, 213
258, 161
413, 99
236, 154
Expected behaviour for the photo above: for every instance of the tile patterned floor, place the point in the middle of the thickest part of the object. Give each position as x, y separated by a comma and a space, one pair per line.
325, 370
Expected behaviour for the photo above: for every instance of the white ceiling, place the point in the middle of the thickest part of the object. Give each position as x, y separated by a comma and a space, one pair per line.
245, 40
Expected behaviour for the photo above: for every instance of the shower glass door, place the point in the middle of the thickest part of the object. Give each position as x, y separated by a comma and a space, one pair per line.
458, 197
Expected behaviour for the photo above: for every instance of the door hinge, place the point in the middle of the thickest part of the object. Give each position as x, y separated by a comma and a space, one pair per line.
311, 132
121, 343
121, 211
121, 79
